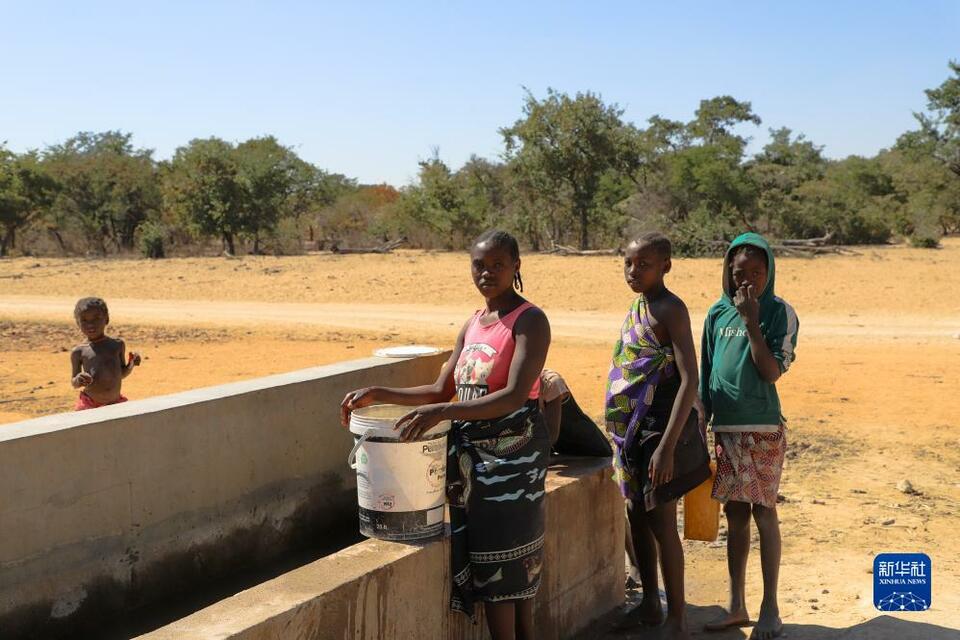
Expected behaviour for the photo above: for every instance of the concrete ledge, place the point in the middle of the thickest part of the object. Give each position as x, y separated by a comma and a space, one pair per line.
103, 511
386, 590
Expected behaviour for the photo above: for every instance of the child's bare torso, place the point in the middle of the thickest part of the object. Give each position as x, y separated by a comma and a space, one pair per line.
103, 360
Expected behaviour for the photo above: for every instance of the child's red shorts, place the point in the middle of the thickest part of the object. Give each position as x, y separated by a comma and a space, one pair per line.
86, 402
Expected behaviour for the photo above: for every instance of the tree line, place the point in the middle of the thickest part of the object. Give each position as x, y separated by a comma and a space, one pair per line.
573, 172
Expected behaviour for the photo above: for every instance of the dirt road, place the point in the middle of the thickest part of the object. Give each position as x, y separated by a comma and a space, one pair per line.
581, 325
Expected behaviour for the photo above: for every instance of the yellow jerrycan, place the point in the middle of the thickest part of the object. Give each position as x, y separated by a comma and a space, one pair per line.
701, 513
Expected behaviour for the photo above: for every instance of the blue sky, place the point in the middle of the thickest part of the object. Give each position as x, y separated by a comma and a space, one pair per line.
370, 88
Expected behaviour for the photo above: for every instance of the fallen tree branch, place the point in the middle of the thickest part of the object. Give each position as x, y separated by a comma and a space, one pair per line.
563, 250
809, 242
806, 250
801, 250
384, 248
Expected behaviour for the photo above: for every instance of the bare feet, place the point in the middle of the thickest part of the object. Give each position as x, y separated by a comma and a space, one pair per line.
675, 629
648, 613
738, 618
768, 624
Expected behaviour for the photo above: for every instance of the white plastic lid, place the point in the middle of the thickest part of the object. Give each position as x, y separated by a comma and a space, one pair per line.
379, 420
406, 351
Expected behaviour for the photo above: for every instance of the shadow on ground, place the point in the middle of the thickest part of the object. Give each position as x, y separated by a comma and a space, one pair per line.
879, 628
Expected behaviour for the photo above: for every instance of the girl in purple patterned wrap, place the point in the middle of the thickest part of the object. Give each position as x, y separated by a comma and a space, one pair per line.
660, 452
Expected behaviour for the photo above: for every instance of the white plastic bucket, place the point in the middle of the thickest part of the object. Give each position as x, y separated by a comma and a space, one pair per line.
400, 485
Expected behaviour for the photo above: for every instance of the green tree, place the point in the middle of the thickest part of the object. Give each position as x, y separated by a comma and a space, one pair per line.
443, 206
268, 174
653, 205
568, 145
857, 201
692, 179
709, 174
428, 209
926, 165
941, 125
203, 186
447, 207
313, 188
106, 188
932, 190
245, 191
26, 192
483, 194
716, 118
778, 170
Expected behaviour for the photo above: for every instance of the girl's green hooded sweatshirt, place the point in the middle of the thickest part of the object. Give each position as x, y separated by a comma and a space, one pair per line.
734, 395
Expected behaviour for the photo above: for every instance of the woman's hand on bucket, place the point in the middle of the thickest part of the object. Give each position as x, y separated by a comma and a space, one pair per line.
420, 420
355, 400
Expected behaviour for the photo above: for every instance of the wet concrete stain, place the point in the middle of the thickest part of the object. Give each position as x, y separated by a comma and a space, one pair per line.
164, 590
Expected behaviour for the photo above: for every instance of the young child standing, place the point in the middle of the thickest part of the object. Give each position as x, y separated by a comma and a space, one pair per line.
749, 337
100, 364
660, 451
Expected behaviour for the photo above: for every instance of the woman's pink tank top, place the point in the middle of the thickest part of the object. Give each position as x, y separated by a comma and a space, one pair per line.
484, 363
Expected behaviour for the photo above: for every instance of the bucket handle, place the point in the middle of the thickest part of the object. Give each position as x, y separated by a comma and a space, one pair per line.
352, 457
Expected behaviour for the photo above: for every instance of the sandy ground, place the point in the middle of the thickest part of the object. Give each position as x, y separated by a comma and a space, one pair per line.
871, 400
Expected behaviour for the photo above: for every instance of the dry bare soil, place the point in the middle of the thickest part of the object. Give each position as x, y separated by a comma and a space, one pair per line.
872, 399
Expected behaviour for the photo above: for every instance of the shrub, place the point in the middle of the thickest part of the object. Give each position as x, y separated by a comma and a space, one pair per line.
152, 237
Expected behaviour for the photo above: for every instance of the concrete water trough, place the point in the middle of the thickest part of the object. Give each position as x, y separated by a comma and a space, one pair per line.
147, 517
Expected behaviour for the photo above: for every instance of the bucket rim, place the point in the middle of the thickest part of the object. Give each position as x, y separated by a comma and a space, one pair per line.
362, 424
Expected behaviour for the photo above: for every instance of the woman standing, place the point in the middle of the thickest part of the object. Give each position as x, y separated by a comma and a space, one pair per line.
499, 446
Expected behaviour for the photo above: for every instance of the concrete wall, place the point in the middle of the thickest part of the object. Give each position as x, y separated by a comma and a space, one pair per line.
385, 591
104, 510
